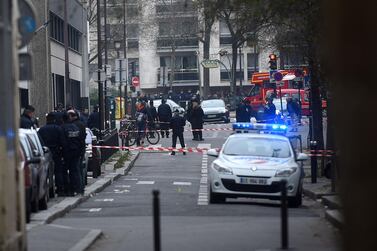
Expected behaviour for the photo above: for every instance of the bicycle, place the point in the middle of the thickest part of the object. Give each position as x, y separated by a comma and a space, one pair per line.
129, 132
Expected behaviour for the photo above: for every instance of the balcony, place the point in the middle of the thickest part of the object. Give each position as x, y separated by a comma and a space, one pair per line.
181, 77
164, 44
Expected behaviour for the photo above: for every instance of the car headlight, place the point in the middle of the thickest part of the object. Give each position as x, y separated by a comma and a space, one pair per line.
286, 172
222, 170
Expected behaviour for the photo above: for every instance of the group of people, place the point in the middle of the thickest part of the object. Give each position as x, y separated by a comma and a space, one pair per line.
64, 134
148, 117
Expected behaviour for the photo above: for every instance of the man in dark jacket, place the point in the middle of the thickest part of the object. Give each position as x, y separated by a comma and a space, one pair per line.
93, 120
152, 117
196, 120
27, 120
141, 117
177, 125
244, 112
164, 116
71, 154
269, 111
53, 136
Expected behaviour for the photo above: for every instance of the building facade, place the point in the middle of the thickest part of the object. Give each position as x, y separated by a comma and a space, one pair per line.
48, 88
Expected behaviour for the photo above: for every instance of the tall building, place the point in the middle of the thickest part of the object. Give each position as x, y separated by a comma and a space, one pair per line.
48, 88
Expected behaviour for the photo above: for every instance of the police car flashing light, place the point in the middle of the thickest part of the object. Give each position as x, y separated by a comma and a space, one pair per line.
265, 128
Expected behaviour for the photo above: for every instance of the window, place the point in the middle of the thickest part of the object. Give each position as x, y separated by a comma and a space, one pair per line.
227, 61
57, 33
252, 63
181, 62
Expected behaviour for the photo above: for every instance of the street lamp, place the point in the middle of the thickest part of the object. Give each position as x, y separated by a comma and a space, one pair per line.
118, 46
222, 53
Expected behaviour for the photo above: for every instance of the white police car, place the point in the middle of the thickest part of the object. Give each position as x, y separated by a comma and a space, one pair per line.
253, 164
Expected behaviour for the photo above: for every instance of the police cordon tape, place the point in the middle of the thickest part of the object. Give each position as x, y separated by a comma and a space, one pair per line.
187, 130
172, 149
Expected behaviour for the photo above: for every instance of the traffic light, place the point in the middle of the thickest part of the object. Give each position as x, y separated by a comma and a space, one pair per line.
273, 62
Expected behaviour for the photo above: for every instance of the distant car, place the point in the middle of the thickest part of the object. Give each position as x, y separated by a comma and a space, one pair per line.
171, 103
215, 111
38, 194
93, 155
253, 164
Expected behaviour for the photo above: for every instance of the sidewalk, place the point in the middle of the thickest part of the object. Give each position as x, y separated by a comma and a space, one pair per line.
45, 236
322, 191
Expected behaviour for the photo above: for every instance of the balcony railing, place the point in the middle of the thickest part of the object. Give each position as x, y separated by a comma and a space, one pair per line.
180, 76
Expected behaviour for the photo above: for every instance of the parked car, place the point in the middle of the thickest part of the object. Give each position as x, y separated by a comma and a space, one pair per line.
45, 170
93, 155
215, 111
32, 174
171, 103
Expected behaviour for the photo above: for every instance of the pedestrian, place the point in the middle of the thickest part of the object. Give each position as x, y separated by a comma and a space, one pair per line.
93, 120
293, 110
188, 115
58, 114
53, 136
177, 125
27, 119
75, 117
141, 122
152, 117
71, 155
269, 111
196, 120
164, 116
244, 111
84, 116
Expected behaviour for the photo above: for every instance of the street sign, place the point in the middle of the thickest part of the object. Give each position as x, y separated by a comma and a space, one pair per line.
108, 70
120, 70
278, 77
102, 77
27, 21
135, 81
272, 79
210, 63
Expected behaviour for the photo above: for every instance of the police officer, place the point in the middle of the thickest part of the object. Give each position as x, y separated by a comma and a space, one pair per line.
196, 120
53, 137
152, 117
141, 122
244, 112
177, 125
27, 119
71, 155
270, 111
93, 120
164, 116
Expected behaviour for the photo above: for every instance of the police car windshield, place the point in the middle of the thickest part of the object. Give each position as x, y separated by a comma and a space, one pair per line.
213, 103
259, 147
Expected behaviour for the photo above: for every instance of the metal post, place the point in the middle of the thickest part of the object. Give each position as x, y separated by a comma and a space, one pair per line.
125, 55
67, 84
284, 215
199, 75
107, 113
241, 75
120, 88
99, 58
156, 220
313, 161
281, 100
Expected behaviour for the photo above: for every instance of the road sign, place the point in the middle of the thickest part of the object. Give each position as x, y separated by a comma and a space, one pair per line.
102, 77
272, 79
27, 21
278, 77
135, 81
108, 70
210, 63
120, 70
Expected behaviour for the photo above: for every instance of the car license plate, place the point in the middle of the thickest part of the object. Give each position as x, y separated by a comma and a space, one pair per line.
211, 116
253, 181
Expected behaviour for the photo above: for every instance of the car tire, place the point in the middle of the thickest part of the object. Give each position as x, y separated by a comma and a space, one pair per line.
297, 200
43, 202
34, 205
27, 206
216, 198
52, 187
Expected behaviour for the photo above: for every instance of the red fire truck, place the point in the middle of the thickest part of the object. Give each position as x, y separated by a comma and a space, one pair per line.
262, 88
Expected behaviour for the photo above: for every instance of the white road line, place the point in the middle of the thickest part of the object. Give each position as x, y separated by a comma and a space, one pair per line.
178, 183
203, 145
123, 186
92, 210
130, 179
104, 200
145, 182
203, 188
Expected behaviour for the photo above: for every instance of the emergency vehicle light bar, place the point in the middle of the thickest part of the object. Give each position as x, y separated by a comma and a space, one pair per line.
263, 128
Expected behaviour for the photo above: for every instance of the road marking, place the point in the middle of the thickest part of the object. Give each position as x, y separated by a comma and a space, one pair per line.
178, 183
130, 179
145, 182
92, 210
104, 200
203, 188
123, 186
121, 191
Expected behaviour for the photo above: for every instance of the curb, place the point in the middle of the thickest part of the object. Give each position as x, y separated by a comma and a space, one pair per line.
315, 196
63, 207
332, 202
87, 241
335, 218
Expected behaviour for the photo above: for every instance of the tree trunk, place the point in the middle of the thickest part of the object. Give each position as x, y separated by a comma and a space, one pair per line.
206, 47
172, 68
234, 69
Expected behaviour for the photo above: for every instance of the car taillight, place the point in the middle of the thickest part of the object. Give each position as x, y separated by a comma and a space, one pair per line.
27, 173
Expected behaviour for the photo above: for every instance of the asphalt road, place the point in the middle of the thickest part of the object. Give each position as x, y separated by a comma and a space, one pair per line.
124, 210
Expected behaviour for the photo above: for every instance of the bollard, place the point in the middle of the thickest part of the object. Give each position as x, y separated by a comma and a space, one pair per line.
284, 215
313, 161
156, 220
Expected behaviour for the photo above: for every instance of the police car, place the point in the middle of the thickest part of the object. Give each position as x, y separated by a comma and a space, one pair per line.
253, 161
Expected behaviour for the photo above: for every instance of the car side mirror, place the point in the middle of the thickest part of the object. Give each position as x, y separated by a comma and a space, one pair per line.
46, 149
94, 138
33, 161
36, 153
302, 157
213, 153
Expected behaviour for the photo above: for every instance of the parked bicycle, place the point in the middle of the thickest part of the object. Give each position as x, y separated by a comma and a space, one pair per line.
128, 133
